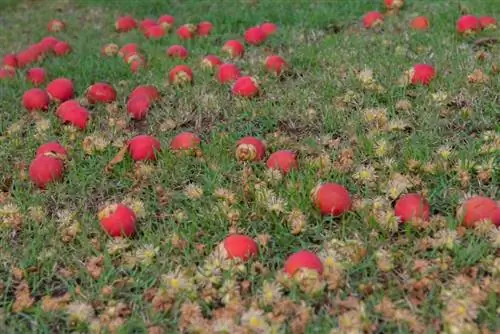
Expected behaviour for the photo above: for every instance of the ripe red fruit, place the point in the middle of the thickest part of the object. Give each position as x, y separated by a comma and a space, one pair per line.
56, 25
110, 50
36, 99
284, 161
240, 246
204, 28
468, 24
118, 220
250, 149
144, 147
372, 20
412, 206
303, 260
28, 56
234, 48
166, 21
44, 170
77, 116
331, 199
145, 24
394, 4
210, 62
255, 36
60, 89
51, 147
477, 209
154, 32
269, 28
128, 48
138, 106
185, 141
125, 23
130, 57
422, 74
177, 51
420, 23
62, 48
7, 73
181, 74
276, 64
228, 73
47, 43
186, 31
9, 61
245, 87
488, 22
36, 75
137, 64
67, 105
150, 91
101, 93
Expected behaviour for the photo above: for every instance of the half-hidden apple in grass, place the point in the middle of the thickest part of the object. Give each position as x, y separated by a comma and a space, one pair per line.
227, 73
245, 86
48, 43
477, 209
128, 48
283, 161
110, 50
101, 92
28, 56
234, 48
303, 260
125, 24
238, 246
130, 57
181, 74
137, 65
204, 28
148, 90
67, 105
211, 62
394, 4
62, 48
166, 21
51, 147
185, 141
186, 31
412, 206
250, 149
421, 74
56, 25
36, 75
373, 20
7, 73
146, 24
138, 106
45, 169
468, 25
255, 36
269, 28
9, 61
177, 51
154, 32
420, 23
118, 220
36, 99
144, 147
77, 116
488, 22
331, 199
60, 89
276, 64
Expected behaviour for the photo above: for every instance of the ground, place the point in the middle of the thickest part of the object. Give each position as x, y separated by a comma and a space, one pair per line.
342, 107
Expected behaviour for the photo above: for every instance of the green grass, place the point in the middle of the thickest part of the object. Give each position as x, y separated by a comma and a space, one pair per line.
321, 100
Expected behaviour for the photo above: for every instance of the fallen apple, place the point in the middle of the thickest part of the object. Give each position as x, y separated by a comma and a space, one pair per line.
234, 48
144, 147
372, 20
250, 149
77, 116
394, 4
154, 32
422, 74
51, 147
101, 93
128, 48
420, 23
303, 259
331, 199
110, 50
276, 64
181, 74
283, 160
185, 141
60, 90
146, 24
7, 73
125, 24
227, 73
269, 28
177, 51
412, 206
255, 36
36, 75
468, 25
204, 28
186, 31
62, 48
211, 62
477, 209
488, 22
138, 106
118, 220
45, 169
148, 90
36, 99
166, 21
56, 25
245, 86
240, 246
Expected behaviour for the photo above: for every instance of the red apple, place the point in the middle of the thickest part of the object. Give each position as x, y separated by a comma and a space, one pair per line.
62, 48
420, 23
154, 32
110, 50
211, 62
412, 206
245, 86
227, 73
269, 28
255, 36
166, 21
250, 149
488, 22
9, 61
36, 76
177, 51
240, 246
77, 116
125, 23
118, 220
101, 93
204, 28
67, 105
7, 73
234, 48
303, 259
394, 4
186, 31
137, 64
36, 99
372, 20
130, 57
150, 91
468, 25
56, 25
128, 48
422, 74
51, 147
185, 141
48, 43
44, 170
477, 209
181, 74
138, 106
146, 24
276, 64
28, 56
331, 199
284, 161
60, 89
144, 147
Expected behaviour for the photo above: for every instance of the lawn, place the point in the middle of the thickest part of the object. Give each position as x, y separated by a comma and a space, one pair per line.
345, 110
